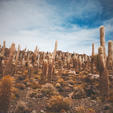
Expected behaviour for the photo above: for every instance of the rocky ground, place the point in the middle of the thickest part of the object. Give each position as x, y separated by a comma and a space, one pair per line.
67, 93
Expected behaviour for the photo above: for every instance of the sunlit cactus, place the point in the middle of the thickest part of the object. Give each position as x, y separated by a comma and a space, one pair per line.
110, 55
68, 62
3, 48
36, 57
1, 66
76, 63
55, 49
44, 71
0, 46
79, 63
50, 71
102, 39
93, 49
8, 69
6, 85
17, 55
36, 51
102, 68
92, 59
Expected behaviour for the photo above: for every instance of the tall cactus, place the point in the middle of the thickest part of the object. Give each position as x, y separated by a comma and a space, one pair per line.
93, 49
8, 68
55, 49
1, 66
50, 70
92, 58
18, 52
102, 68
110, 55
36, 51
44, 71
3, 48
102, 39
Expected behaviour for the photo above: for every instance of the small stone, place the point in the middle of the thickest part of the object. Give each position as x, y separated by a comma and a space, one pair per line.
34, 111
58, 85
42, 111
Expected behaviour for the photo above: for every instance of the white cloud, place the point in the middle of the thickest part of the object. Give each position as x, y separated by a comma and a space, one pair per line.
36, 22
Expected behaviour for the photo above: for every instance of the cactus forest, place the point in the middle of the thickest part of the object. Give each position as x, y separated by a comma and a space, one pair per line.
56, 56
56, 82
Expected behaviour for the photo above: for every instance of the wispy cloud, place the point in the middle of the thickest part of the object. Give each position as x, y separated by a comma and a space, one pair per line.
41, 22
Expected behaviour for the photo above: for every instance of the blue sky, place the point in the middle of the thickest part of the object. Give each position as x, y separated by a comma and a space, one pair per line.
74, 23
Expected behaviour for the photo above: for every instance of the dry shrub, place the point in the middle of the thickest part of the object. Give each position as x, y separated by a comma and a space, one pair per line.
25, 72
82, 109
20, 86
57, 103
35, 85
60, 80
48, 90
110, 98
6, 85
79, 92
21, 107
15, 93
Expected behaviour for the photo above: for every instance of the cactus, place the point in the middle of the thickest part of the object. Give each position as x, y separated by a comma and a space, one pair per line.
6, 86
79, 63
110, 55
1, 67
44, 71
8, 68
102, 39
92, 59
93, 49
3, 48
55, 49
103, 72
18, 52
50, 71
36, 51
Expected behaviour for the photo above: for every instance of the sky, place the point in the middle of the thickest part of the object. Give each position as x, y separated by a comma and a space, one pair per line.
74, 23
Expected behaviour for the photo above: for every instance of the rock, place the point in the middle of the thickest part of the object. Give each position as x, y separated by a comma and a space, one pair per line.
70, 95
58, 85
34, 111
111, 77
93, 76
42, 111
107, 106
